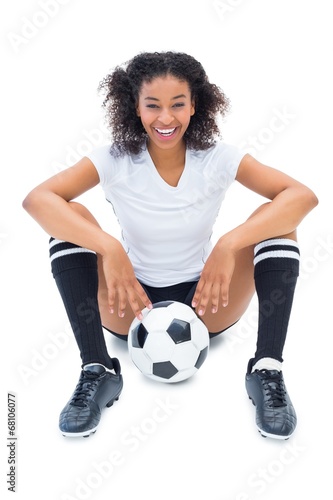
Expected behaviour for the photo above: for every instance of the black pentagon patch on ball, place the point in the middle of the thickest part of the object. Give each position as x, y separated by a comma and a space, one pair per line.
164, 370
139, 335
163, 303
201, 358
179, 331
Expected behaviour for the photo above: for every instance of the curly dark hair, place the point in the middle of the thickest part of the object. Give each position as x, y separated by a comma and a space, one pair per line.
122, 88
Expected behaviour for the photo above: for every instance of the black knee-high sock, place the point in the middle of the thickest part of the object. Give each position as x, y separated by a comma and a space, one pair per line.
75, 271
276, 269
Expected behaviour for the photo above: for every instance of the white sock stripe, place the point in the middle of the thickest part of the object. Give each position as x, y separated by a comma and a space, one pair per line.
287, 254
276, 241
61, 253
55, 242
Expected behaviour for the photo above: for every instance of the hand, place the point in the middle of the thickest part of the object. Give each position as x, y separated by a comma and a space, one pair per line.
122, 284
215, 280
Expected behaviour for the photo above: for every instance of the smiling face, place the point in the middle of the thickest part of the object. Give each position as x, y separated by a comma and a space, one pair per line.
165, 108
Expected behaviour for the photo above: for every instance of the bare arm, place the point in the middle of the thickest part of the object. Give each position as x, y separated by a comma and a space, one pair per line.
290, 202
49, 205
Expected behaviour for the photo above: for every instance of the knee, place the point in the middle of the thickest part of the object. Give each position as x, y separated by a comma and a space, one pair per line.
290, 236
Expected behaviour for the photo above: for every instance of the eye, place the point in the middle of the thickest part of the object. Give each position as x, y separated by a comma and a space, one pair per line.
152, 106
179, 105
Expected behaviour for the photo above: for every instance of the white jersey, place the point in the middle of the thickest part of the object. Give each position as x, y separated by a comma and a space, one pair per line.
166, 230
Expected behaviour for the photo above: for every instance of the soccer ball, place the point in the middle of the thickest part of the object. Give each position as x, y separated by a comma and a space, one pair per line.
170, 343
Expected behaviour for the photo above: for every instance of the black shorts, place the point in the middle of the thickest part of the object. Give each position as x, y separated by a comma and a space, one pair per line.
181, 292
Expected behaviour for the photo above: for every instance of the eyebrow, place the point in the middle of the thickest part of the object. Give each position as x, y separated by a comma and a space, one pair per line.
173, 98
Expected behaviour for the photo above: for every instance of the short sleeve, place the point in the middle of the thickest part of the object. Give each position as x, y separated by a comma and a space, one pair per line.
103, 161
229, 158
221, 164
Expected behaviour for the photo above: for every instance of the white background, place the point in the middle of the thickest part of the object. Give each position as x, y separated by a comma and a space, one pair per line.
269, 57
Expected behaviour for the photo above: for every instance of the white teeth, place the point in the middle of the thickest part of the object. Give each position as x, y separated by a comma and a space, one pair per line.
166, 132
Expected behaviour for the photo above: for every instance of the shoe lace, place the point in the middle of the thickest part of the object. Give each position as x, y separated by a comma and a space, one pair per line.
274, 387
83, 390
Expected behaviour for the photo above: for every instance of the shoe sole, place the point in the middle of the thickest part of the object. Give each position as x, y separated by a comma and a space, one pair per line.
265, 434
89, 432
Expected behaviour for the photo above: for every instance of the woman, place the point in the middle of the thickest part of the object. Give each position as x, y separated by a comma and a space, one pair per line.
166, 174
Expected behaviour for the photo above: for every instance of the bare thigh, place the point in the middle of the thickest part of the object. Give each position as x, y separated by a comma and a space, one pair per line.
112, 321
242, 288
240, 294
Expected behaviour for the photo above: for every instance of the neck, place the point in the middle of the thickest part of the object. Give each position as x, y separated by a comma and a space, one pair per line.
172, 156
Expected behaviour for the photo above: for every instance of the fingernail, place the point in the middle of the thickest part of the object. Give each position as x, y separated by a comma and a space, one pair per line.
201, 312
194, 304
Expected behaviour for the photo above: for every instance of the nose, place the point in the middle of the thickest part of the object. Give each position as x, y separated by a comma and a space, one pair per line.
165, 117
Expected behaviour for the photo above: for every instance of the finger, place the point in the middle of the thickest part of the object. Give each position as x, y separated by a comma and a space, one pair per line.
215, 295
122, 302
198, 292
143, 296
111, 299
205, 296
135, 306
225, 294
